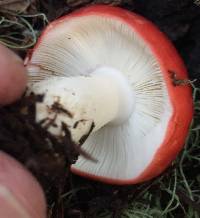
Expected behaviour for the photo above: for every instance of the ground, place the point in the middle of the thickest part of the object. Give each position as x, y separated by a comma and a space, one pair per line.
176, 193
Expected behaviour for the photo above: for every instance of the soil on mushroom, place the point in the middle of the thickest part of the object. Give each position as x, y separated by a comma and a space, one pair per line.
174, 194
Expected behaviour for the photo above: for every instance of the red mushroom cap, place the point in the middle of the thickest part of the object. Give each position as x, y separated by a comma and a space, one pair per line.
171, 67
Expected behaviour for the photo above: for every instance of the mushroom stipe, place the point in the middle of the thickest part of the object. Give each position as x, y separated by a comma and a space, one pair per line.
48, 158
111, 69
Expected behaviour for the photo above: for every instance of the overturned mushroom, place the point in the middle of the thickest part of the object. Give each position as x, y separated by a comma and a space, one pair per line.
106, 74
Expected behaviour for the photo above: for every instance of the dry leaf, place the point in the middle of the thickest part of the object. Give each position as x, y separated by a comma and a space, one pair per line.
15, 5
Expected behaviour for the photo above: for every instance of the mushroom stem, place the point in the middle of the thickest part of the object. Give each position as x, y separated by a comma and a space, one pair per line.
100, 98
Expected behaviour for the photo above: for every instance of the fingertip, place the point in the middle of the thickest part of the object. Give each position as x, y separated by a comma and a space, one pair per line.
19, 191
13, 76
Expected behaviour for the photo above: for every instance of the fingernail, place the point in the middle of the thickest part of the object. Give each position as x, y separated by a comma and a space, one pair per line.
10, 207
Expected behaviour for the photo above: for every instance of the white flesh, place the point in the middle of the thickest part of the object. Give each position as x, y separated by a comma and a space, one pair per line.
79, 46
103, 98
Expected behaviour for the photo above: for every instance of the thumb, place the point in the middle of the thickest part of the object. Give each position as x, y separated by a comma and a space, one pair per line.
20, 194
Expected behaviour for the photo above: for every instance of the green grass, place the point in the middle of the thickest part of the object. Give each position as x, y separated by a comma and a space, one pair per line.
20, 31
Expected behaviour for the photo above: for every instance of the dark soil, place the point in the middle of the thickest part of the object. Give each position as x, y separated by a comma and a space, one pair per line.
49, 159
44, 155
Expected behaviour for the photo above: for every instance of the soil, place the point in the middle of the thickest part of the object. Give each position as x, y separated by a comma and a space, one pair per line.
48, 158
44, 155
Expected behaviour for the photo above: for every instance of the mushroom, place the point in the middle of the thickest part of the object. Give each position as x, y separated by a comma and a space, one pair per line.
110, 75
